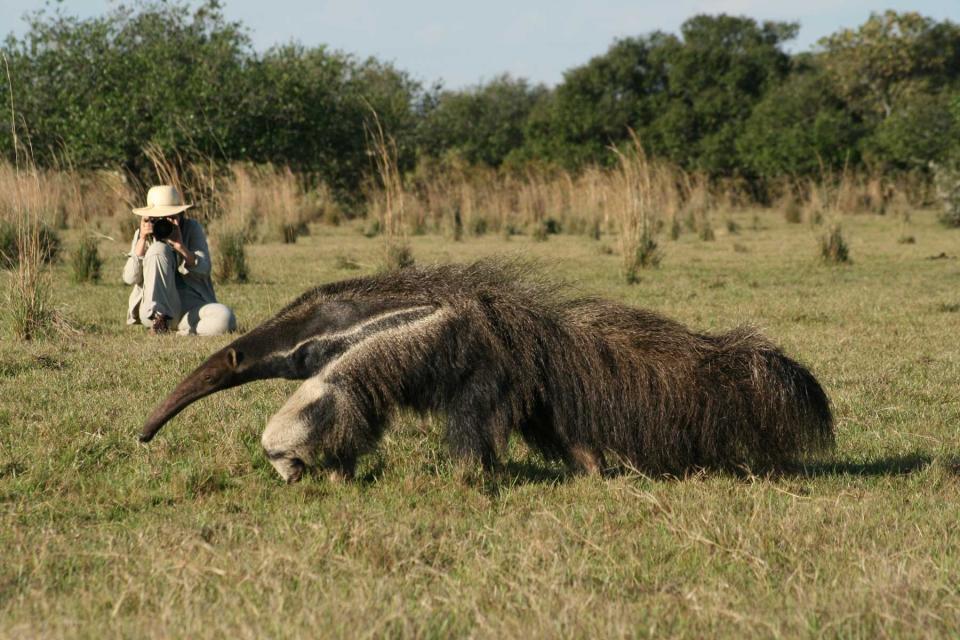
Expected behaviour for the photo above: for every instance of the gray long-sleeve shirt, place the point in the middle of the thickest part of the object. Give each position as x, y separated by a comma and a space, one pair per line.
193, 283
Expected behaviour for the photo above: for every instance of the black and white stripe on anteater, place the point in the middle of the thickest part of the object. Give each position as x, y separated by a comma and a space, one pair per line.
589, 381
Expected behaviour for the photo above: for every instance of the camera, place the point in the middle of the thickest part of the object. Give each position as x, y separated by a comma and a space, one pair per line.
162, 228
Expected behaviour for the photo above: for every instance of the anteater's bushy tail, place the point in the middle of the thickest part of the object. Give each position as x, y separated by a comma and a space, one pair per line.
645, 390
751, 407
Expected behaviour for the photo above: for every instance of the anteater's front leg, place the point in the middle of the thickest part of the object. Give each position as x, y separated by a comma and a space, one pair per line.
477, 433
319, 423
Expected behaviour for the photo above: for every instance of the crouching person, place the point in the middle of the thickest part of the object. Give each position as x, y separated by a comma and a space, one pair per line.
169, 268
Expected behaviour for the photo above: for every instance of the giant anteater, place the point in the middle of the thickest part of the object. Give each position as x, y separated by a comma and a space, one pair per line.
495, 350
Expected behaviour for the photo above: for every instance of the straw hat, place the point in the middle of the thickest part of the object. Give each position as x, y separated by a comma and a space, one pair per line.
162, 201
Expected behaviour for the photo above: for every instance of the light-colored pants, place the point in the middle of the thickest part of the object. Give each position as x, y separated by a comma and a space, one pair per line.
162, 295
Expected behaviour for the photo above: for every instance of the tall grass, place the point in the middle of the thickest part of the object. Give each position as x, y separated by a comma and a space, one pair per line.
27, 307
643, 192
71, 198
27, 311
388, 199
269, 204
274, 204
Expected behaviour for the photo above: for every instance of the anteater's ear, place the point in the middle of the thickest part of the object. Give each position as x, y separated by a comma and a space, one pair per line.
234, 357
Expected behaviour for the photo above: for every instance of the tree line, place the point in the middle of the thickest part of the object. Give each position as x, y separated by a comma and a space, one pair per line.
722, 97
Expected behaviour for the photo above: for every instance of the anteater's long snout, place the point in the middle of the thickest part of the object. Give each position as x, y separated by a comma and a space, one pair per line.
216, 374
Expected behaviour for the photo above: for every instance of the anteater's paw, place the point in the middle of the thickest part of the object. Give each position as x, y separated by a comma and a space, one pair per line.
290, 469
584, 460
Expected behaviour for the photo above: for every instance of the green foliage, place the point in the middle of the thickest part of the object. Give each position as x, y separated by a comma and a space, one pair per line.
483, 124
598, 102
891, 57
920, 131
85, 261
722, 98
799, 128
98, 90
717, 73
947, 182
9, 245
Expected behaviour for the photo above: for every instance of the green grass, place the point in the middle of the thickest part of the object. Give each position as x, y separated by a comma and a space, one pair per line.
194, 535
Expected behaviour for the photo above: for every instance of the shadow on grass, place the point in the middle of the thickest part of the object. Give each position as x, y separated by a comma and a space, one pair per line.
534, 472
887, 466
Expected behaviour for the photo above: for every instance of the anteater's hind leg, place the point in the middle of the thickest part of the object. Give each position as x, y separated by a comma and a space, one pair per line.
539, 432
319, 420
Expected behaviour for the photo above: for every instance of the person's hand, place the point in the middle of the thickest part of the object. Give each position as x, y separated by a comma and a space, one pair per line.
175, 238
146, 227
146, 231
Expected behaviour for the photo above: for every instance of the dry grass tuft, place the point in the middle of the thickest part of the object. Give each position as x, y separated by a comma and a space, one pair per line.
833, 246
85, 261
388, 199
268, 204
232, 257
644, 190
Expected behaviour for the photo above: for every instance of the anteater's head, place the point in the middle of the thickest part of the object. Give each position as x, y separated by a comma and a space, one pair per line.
226, 368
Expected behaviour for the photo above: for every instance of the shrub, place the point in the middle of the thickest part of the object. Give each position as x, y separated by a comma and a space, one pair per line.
551, 226
675, 229
595, 232
792, 212
11, 251
706, 231
232, 259
289, 233
85, 261
647, 254
398, 255
27, 308
947, 182
540, 233
510, 230
345, 262
372, 228
833, 246
478, 226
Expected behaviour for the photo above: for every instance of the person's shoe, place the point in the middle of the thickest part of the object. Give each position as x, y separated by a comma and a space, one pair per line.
159, 325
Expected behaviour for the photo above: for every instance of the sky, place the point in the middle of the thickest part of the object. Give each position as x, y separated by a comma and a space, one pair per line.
463, 43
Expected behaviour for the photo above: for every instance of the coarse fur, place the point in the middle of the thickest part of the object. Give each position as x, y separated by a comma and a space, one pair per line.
497, 350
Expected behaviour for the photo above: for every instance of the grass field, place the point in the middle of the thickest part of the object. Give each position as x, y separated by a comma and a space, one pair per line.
195, 536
